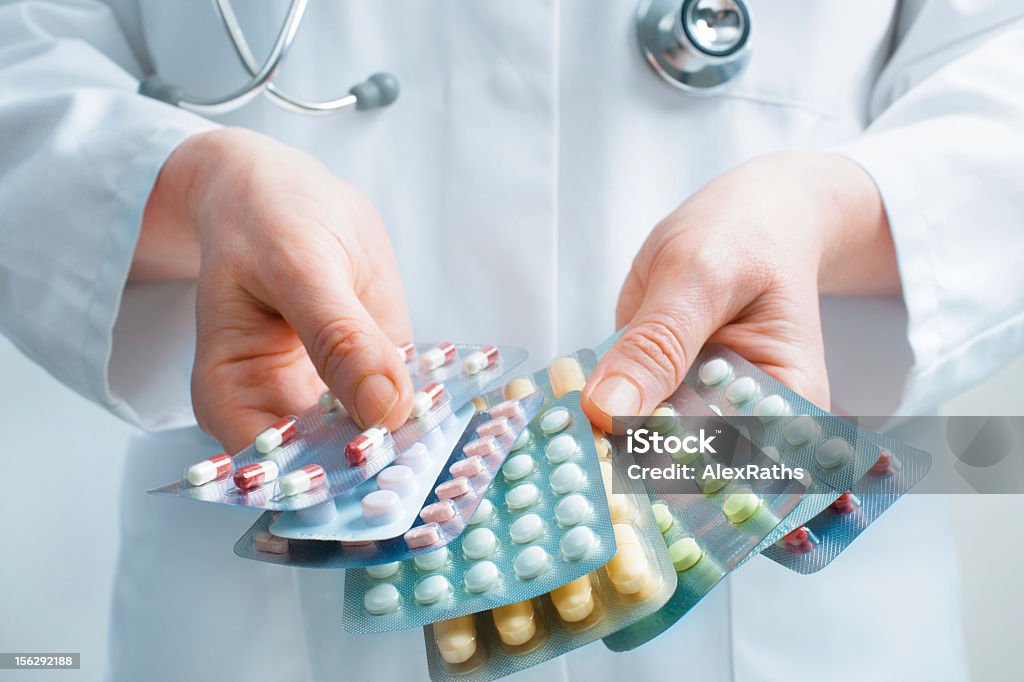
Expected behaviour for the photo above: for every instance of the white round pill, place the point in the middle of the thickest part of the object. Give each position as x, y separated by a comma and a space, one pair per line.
431, 589
799, 430
578, 543
526, 528
417, 457
382, 571
517, 467
397, 477
561, 449
714, 371
481, 577
381, 599
380, 507
834, 452
741, 390
522, 496
431, 561
772, 453
770, 408
566, 478
483, 513
522, 441
555, 420
572, 510
479, 543
531, 562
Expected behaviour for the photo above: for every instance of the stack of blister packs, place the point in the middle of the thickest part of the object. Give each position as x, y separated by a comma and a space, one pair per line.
499, 521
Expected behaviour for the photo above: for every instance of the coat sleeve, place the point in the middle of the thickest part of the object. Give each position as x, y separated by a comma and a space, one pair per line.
80, 153
945, 147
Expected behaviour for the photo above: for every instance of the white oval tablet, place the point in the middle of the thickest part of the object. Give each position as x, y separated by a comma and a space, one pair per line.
526, 528
799, 430
741, 390
483, 513
431, 589
517, 467
481, 577
381, 599
772, 453
431, 561
522, 496
561, 449
714, 371
382, 571
380, 507
572, 510
397, 477
834, 452
522, 441
531, 562
479, 543
578, 543
771, 408
555, 420
417, 457
566, 478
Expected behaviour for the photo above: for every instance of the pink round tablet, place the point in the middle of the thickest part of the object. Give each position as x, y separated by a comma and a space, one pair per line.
399, 478
457, 487
422, 536
416, 457
380, 507
510, 409
495, 427
469, 467
483, 447
438, 512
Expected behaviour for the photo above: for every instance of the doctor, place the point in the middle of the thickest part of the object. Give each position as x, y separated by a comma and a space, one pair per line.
531, 155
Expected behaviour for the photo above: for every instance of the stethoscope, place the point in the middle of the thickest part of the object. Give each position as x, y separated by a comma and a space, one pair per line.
698, 46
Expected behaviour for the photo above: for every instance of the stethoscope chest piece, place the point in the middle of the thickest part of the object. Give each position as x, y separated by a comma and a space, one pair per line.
698, 46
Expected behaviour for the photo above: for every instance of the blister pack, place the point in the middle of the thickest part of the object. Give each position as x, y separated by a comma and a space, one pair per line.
306, 459
466, 471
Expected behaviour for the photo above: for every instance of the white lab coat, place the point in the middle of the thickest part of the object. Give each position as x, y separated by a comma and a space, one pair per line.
530, 152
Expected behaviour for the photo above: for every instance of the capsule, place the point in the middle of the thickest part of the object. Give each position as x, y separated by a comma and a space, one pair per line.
211, 469
887, 464
278, 434
328, 403
800, 541
360, 447
429, 397
255, 475
479, 360
845, 503
437, 356
304, 479
494, 428
406, 351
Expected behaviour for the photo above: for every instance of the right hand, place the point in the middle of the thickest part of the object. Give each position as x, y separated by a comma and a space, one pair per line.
297, 285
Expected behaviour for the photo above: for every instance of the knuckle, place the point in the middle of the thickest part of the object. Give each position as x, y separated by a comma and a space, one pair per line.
335, 344
659, 346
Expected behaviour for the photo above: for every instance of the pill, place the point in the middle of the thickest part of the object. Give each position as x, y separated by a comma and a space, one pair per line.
255, 475
516, 623
382, 571
603, 445
362, 446
438, 512
481, 577
885, 465
531, 562
431, 561
457, 487
510, 409
574, 600
479, 360
625, 534
479, 403
481, 447
524, 439
663, 516
526, 528
479, 543
522, 496
834, 452
381, 599
799, 430
437, 356
483, 513
406, 351
431, 589
303, 479
572, 510
210, 469
517, 467
684, 553
741, 390
799, 541
518, 388
709, 485
398, 478
417, 457
427, 398
561, 448
278, 434
740, 506
684, 456
270, 544
566, 478
495, 427
845, 504
772, 453
770, 408
714, 371
456, 639
577, 543
422, 536
467, 468
663, 419
328, 402
555, 420
380, 507
566, 375
628, 570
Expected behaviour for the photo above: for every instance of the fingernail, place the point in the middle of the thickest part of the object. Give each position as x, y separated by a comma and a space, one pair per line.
376, 396
617, 396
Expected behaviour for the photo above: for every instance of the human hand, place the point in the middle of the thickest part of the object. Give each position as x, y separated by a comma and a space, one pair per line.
297, 285
742, 263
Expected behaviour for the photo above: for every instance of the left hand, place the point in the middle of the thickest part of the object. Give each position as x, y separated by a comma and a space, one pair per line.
742, 262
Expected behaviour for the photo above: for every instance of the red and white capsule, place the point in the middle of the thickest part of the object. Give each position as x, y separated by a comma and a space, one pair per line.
359, 448
437, 356
406, 351
303, 479
846, 503
429, 397
479, 360
208, 470
278, 434
253, 476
